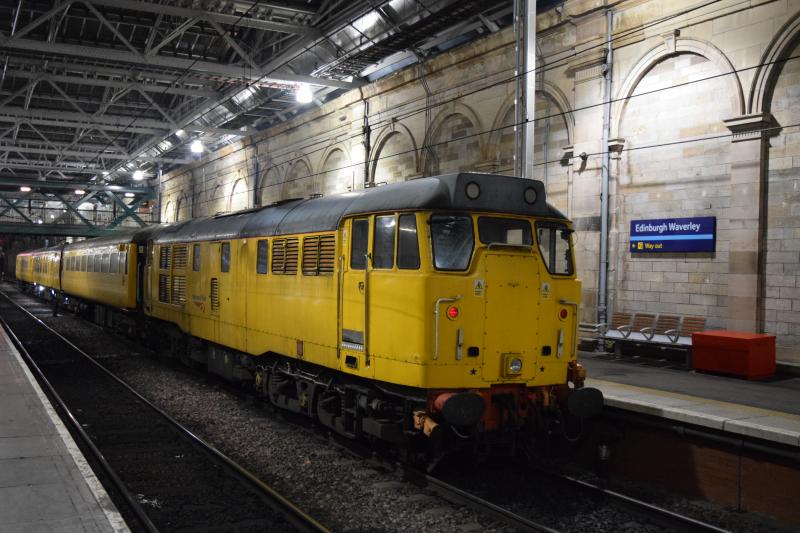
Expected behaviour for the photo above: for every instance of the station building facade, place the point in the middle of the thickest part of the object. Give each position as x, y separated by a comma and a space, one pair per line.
704, 121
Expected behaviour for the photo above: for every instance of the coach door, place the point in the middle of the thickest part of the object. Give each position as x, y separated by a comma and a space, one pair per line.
354, 338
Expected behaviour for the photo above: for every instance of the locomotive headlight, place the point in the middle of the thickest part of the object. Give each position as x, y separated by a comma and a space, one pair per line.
512, 365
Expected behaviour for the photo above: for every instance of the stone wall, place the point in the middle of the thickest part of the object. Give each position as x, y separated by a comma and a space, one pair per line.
706, 101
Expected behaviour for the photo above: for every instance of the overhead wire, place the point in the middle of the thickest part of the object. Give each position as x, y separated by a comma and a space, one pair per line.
507, 126
543, 68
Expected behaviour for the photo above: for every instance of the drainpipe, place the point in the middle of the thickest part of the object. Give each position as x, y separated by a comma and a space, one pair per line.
366, 142
602, 296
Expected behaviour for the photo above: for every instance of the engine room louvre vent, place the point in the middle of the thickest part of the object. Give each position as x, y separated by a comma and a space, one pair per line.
285, 256
163, 288
163, 258
180, 255
318, 255
178, 290
327, 254
214, 295
310, 256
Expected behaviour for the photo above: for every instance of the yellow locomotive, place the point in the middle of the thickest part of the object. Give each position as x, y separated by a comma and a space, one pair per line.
442, 306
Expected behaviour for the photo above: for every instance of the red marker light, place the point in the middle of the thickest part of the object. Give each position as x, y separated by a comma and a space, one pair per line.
563, 314
452, 312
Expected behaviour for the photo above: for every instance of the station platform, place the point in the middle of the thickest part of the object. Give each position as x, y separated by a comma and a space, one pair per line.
45, 482
768, 410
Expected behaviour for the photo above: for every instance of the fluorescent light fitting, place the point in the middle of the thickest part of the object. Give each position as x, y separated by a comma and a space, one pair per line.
138, 175
80, 192
25, 188
196, 147
304, 94
105, 173
129, 195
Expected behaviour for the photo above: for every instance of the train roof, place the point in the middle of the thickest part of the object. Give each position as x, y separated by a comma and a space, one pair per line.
488, 192
118, 237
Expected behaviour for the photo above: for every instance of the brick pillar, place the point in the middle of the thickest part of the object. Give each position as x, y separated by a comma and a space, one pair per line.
747, 221
587, 69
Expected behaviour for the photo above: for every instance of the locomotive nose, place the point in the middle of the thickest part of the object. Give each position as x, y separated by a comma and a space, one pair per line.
460, 408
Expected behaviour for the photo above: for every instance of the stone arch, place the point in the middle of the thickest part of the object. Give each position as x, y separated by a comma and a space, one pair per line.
181, 207
401, 159
299, 181
335, 174
451, 113
271, 185
168, 211
213, 201
771, 65
239, 198
501, 132
672, 47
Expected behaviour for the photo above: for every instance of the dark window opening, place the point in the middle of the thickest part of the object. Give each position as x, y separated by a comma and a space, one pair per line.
261, 257
452, 241
555, 245
225, 257
359, 243
504, 231
383, 245
407, 243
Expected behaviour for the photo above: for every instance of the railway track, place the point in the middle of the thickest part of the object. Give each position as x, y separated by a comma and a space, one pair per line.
163, 477
665, 518
515, 514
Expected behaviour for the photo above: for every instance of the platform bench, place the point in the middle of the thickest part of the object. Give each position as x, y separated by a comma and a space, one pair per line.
664, 332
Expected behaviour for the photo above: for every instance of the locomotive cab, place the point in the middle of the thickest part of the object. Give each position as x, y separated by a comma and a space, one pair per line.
477, 309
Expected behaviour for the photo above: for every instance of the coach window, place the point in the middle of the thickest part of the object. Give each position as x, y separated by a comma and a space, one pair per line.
407, 243
106, 263
114, 268
196, 250
90, 266
84, 260
225, 257
555, 245
383, 244
358, 246
261, 256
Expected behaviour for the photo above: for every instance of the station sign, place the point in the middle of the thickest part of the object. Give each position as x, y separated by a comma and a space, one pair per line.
674, 235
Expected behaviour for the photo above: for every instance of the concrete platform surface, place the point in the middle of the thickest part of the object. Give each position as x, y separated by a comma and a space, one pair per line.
46, 484
767, 410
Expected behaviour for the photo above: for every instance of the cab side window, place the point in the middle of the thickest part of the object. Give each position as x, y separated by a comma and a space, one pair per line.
359, 243
225, 257
407, 243
383, 244
261, 256
196, 258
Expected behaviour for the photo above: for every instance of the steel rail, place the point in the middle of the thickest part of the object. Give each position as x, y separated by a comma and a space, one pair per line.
669, 519
76, 428
293, 514
456, 495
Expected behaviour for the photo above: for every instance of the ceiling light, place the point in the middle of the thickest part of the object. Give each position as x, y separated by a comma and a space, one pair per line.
138, 175
80, 192
129, 195
304, 94
105, 173
196, 147
180, 133
52, 216
39, 221
25, 188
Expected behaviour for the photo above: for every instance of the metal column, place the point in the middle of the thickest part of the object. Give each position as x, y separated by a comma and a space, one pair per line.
525, 26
